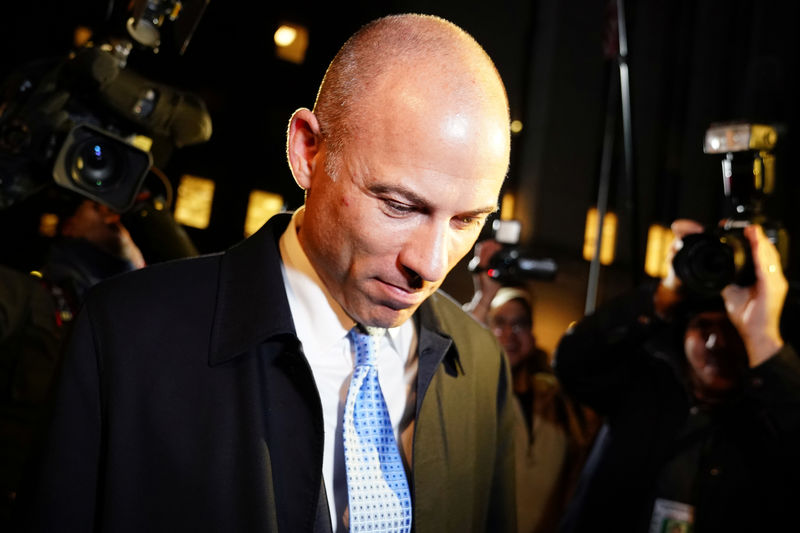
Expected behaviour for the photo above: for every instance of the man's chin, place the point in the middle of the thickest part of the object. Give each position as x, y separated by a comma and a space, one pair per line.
386, 317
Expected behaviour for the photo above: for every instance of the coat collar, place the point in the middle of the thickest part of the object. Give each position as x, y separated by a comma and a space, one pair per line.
251, 305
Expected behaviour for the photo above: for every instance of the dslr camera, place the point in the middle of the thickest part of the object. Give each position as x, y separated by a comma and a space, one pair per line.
709, 261
511, 265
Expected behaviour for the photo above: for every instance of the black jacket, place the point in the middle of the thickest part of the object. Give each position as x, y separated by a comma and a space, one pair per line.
186, 404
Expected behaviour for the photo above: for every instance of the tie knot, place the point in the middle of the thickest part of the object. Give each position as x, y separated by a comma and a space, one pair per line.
366, 344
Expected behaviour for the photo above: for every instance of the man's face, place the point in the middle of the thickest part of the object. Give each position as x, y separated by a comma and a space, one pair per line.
715, 353
409, 202
511, 325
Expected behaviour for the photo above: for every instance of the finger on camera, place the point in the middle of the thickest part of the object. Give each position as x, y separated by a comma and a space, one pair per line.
766, 258
684, 226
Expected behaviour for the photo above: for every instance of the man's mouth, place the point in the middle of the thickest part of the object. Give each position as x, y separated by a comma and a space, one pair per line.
399, 297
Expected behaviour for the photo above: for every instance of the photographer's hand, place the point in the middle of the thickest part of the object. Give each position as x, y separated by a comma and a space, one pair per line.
667, 294
755, 311
485, 287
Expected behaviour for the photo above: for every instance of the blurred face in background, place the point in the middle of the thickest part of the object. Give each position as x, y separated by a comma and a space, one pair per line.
511, 324
716, 355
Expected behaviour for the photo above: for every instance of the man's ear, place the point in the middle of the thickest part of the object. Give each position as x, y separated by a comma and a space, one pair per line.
303, 141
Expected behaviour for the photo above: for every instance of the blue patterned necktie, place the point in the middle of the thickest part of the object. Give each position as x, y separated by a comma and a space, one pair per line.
378, 495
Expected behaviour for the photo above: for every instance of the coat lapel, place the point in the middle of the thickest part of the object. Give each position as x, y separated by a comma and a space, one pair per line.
252, 318
251, 299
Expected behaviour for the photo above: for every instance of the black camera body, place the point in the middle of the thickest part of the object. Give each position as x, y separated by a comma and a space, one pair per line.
709, 261
91, 125
511, 265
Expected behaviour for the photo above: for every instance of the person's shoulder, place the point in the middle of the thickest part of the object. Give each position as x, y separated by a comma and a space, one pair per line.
451, 316
12, 279
172, 279
783, 367
474, 341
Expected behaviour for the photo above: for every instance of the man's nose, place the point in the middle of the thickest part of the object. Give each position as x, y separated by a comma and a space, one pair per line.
711, 341
425, 253
715, 340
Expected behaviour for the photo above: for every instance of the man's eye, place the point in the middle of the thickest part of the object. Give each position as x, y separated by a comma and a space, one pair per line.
398, 207
470, 221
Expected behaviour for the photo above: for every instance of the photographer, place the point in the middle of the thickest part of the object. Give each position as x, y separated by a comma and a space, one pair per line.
552, 432
35, 318
702, 399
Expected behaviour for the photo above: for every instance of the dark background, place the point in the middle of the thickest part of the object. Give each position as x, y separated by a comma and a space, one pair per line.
691, 63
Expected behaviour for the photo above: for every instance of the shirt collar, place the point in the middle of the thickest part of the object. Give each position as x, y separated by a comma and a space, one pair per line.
319, 319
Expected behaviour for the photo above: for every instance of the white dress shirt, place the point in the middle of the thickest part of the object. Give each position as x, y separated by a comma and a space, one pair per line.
322, 326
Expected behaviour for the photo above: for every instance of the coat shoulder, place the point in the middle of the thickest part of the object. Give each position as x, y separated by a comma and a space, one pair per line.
475, 343
163, 280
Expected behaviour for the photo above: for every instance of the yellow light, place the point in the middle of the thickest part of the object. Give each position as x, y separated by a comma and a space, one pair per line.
285, 35
516, 126
142, 142
260, 207
609, 236
507, 206
48, 224
659, 239
193, 202
291, 41
81, 35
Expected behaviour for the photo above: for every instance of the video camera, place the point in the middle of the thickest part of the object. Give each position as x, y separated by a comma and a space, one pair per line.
89, 124
709, 261
511, 264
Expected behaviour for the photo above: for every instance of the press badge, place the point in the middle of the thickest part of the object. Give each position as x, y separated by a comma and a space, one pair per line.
672, 517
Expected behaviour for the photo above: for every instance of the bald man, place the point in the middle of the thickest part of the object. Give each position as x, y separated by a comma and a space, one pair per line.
214, 394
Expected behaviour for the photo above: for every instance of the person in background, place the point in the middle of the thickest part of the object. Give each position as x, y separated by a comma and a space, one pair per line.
312, 377
36, 311
702, 401
553, 433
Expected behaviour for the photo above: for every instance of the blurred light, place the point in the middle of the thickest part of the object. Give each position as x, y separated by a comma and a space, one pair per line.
81, 35
193, 202
261, 206
659, 239
507, 206
516, 126
48, 224
291, 41
142, 142
285, 35
609, 236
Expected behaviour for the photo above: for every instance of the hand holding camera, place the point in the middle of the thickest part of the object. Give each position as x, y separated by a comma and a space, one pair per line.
755, 310
753, 307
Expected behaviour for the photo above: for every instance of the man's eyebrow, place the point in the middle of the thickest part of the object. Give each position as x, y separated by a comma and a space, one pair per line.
407, 194
417, 200
480, 212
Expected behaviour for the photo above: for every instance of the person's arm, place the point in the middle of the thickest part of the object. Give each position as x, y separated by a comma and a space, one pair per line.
485, 287
595, 358
599, 356
755, 311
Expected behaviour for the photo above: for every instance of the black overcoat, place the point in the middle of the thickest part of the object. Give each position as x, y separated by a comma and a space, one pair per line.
186, 404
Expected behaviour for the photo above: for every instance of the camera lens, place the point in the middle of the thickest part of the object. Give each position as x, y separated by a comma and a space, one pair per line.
95, 164
708, 262
705, 264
